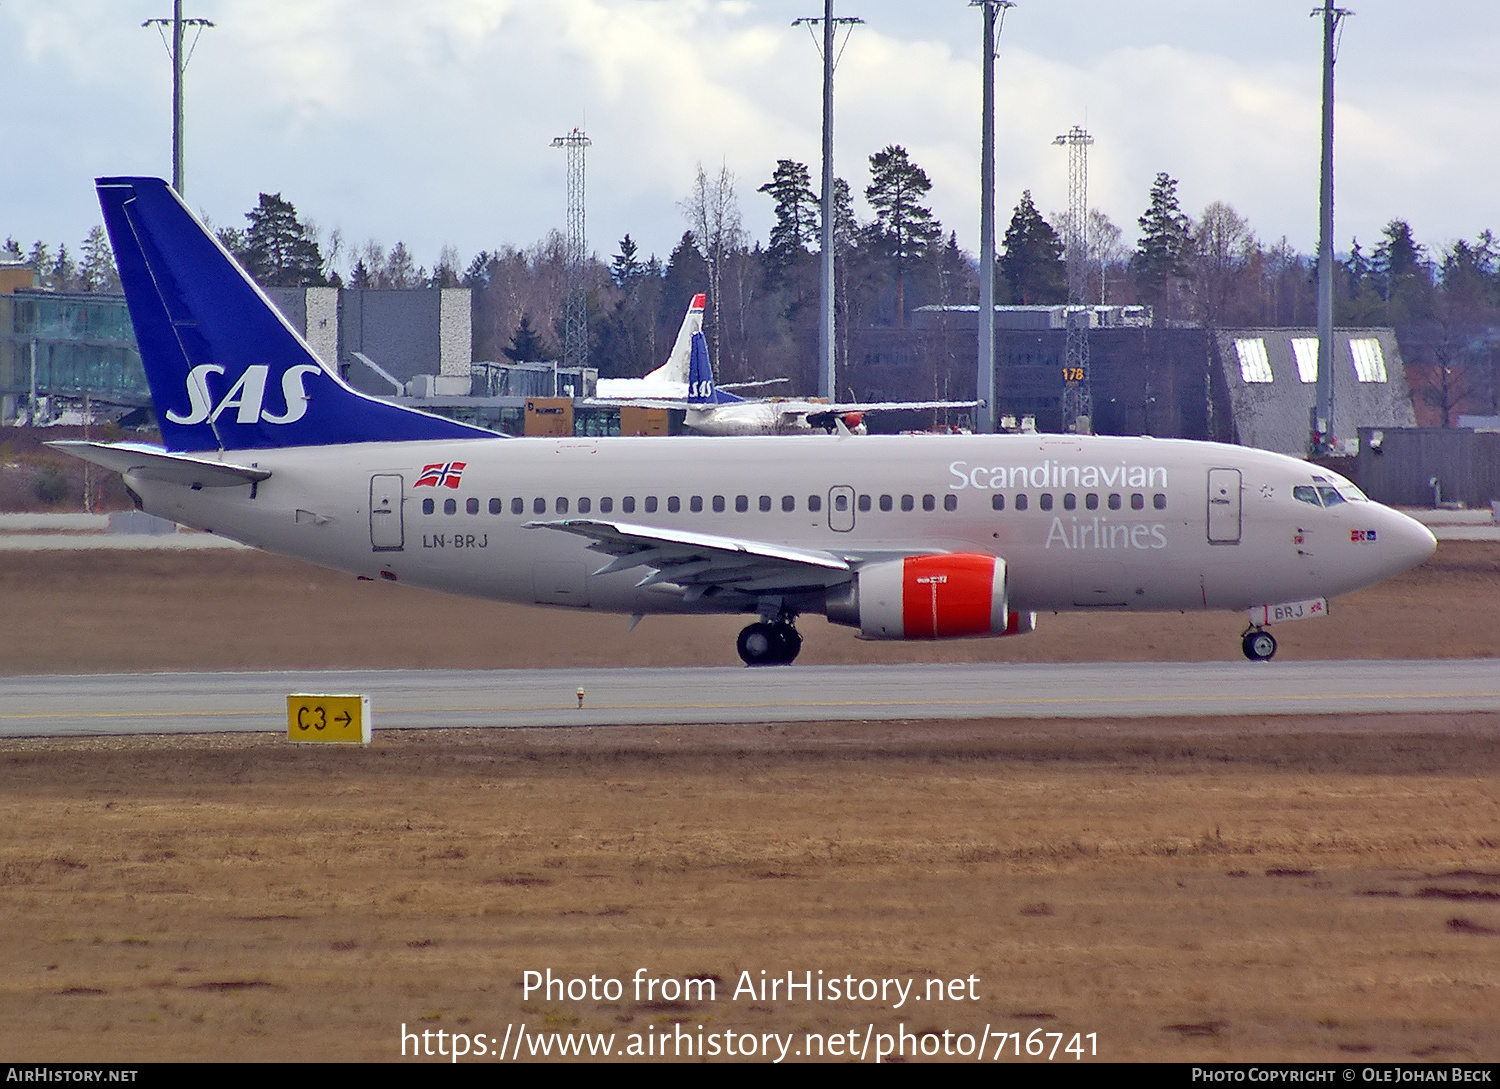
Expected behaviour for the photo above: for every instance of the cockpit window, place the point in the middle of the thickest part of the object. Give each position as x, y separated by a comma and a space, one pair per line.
1330, 496
1307, 494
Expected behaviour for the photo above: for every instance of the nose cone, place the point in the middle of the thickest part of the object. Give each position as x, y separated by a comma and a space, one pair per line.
1406, 541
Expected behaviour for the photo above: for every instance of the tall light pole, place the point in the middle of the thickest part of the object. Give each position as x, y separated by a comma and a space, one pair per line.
827, 386
576, 321
994, 19
1320, 441
179, 64
1078, 396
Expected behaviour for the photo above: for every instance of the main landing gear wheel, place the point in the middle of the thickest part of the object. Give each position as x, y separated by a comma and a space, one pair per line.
1259, 645
769, 644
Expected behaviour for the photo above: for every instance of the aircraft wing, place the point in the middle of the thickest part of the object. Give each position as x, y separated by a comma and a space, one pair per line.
700, 562
638, 402
888, 406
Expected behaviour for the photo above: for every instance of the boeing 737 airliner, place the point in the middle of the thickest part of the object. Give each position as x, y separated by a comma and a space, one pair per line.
902, 537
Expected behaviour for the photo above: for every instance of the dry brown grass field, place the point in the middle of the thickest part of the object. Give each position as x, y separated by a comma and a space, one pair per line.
1320, 889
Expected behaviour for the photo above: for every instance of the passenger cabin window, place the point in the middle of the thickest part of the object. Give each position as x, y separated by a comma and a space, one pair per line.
741, 504
650, 504
518, 506
606, 504
495, 506
1091, 501
1159, 501
1137, 501
428, 506
864, 502
1021, 501
997, 502
450, 506
674, 505
908, 503
561, 505
765, 503
950, 501
788, 503
1046, 501
1114, 500
718, 504
627, 504
887, 502
1070, 501
539, 506
695, 504
815, 503
472, 506
584, 505
929, 502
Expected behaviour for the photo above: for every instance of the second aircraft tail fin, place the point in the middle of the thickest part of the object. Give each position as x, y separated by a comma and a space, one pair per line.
701, 388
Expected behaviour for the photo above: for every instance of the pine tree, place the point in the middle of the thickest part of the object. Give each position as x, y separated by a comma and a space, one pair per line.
526, 344
904, 229
1166, 240
64, 273
1032, 264
795, 234
280, 251
626, 266
1402, 274
97, 272
400, 268
40, 259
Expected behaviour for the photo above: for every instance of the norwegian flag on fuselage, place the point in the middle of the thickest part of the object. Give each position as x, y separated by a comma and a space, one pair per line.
443, 474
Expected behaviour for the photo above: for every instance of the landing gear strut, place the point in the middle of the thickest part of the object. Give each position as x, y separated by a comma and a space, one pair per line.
767, 643
1259, 645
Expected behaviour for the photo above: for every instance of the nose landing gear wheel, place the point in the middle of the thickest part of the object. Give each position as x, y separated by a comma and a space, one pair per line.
769, 644
1259, 645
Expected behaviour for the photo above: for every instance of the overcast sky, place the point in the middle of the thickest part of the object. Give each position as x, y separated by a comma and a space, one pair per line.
431, 122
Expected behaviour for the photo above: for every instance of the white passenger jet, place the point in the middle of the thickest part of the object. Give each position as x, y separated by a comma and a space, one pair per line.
713, 410
901, 537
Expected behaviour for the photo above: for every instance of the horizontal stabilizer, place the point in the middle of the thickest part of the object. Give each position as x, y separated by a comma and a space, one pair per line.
154, 463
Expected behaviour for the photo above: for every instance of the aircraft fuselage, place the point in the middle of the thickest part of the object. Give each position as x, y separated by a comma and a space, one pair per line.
1081, 523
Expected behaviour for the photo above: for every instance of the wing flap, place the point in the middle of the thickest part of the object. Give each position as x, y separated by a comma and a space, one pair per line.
699, 562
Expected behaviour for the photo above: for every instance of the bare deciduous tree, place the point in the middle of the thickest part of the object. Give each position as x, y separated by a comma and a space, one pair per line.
713, 215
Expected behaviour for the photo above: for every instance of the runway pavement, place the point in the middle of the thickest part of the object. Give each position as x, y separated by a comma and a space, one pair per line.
176, 703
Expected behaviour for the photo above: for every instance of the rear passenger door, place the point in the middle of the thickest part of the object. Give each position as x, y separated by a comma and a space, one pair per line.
387, 534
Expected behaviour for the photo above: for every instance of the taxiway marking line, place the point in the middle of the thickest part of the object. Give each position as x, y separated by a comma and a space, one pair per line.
1033, 701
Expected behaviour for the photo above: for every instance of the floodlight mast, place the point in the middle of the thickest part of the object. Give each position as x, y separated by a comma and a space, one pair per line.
179, 64
576, 320
1321, 440
994, 20
1077, 396
827, 384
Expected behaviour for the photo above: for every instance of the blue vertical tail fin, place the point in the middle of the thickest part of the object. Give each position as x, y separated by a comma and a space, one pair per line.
701, 388
226, 370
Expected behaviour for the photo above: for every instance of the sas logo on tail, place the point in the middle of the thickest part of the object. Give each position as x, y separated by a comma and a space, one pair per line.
246, 396
441, 475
